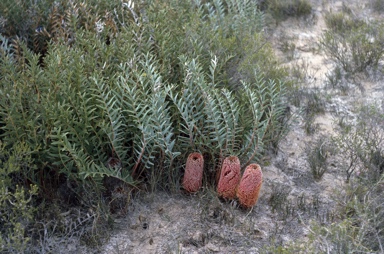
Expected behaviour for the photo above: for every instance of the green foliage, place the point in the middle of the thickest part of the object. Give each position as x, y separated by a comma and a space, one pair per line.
335, 78
114, 90
22, 17
282, 9
257, 57
312, 104
341, 22
360, 229
279, 197
162, 95
352, 44
362, 145
339, 237
16, 206
361, 206
317, 156
370, 128
360, 222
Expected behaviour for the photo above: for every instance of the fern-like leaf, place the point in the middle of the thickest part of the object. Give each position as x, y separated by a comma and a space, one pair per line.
109, 102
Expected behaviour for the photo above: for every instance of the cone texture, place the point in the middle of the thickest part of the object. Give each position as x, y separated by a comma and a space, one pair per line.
193, 175
229, 177
249, 187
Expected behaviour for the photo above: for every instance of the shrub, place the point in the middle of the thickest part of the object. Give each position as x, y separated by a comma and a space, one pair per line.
193, 175
362, 145
116, 91
16, 203
21, 18
229, 177
342, 22
17, 213
96, 107
360, 228
279, 196
335, 78
249, 187
256, 58
317, 156
282, 9
311, 103
377, 5
352, 44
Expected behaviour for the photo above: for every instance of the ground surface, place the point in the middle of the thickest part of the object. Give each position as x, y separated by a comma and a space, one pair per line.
290, 197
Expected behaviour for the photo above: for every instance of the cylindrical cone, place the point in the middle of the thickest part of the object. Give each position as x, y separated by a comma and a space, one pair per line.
193, 176
229, 177
250, 184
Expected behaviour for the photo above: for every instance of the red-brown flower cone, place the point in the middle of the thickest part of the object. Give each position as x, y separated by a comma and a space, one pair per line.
193, 176
249, 187
229, 177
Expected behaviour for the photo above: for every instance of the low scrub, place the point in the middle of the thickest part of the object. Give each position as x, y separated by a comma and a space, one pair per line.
16, 202
282, 9
362, 145
317, 157
359, 222
353, 44
377, 5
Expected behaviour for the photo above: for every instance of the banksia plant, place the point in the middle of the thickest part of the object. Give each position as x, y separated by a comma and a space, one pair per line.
249, 187
229, 177
193, 175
